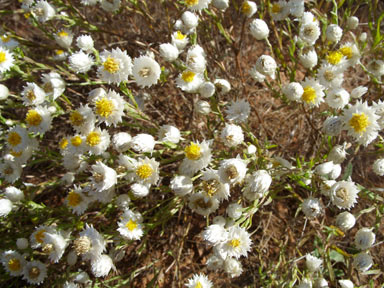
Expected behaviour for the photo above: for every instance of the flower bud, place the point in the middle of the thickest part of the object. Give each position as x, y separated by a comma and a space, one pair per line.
345, 221
259, 29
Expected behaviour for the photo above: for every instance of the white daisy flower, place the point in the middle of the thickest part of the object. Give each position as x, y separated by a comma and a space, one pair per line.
77, 201
10, 171
232, 170
97, 141
312, 207
43, 11
360, 121
337, 98
310, 32
313, 92
199, 280
85, 43
55, 244
222, 86
146, 71
280, 10
53, 84
362, 261
6, 206
238, 243
90, 244
232, 135
313, 263
344, 194
169, 52
364, 238
38, 119
308, 57
197, 5
13, 262
130, 225
6, 60
334, 33
351, 51
37, 237
76, 145
238, 111
14, 194
181, 185
101, 265
82, 119
202, 204
248, 8
109, 108
169, 133
35, 272
378, 166
189, 81
143, 143
64, 38
196, 59
330, 76
266, 65
259, 29
257, 185
215, 234
121, 141
103, 177
116, 66
212, 186
197, 157
80, 62
179, 40
293, 91
32, 94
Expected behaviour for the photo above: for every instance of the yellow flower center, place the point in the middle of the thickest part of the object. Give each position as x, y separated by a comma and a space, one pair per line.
188, 76
16, 154
131, 225
39, 236
309, 95
74, 199
210, 187
76, 141
234, 243
144, 171
198, 285
33, 118
359, 122
76, 118
27, 15
62, 34
245, 8
193, 151
34, 272
14, 139
276, 8
111, 65
31, 95
346, 51
191, 2
2, 57
334, 57
14, 264
5, 39
180, 36
59, 52
63, 143
104, 107
93, 138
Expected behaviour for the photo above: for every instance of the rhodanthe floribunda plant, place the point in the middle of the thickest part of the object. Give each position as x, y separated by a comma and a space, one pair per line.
164, 128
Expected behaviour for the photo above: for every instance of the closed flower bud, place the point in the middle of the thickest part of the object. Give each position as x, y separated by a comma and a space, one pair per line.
169, 52
364, 238
352, 22
234, 210
363, 37
266, 65
293, 91
378, 167
345, 221
337, 154
312, 207
358, 92
221, 4
334, 33
22, 243
363, 261
202, 107
259, 29
308, 58
313, 263
207, 89
324, 169
333, 126
190, 20
4, 92
346, 283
